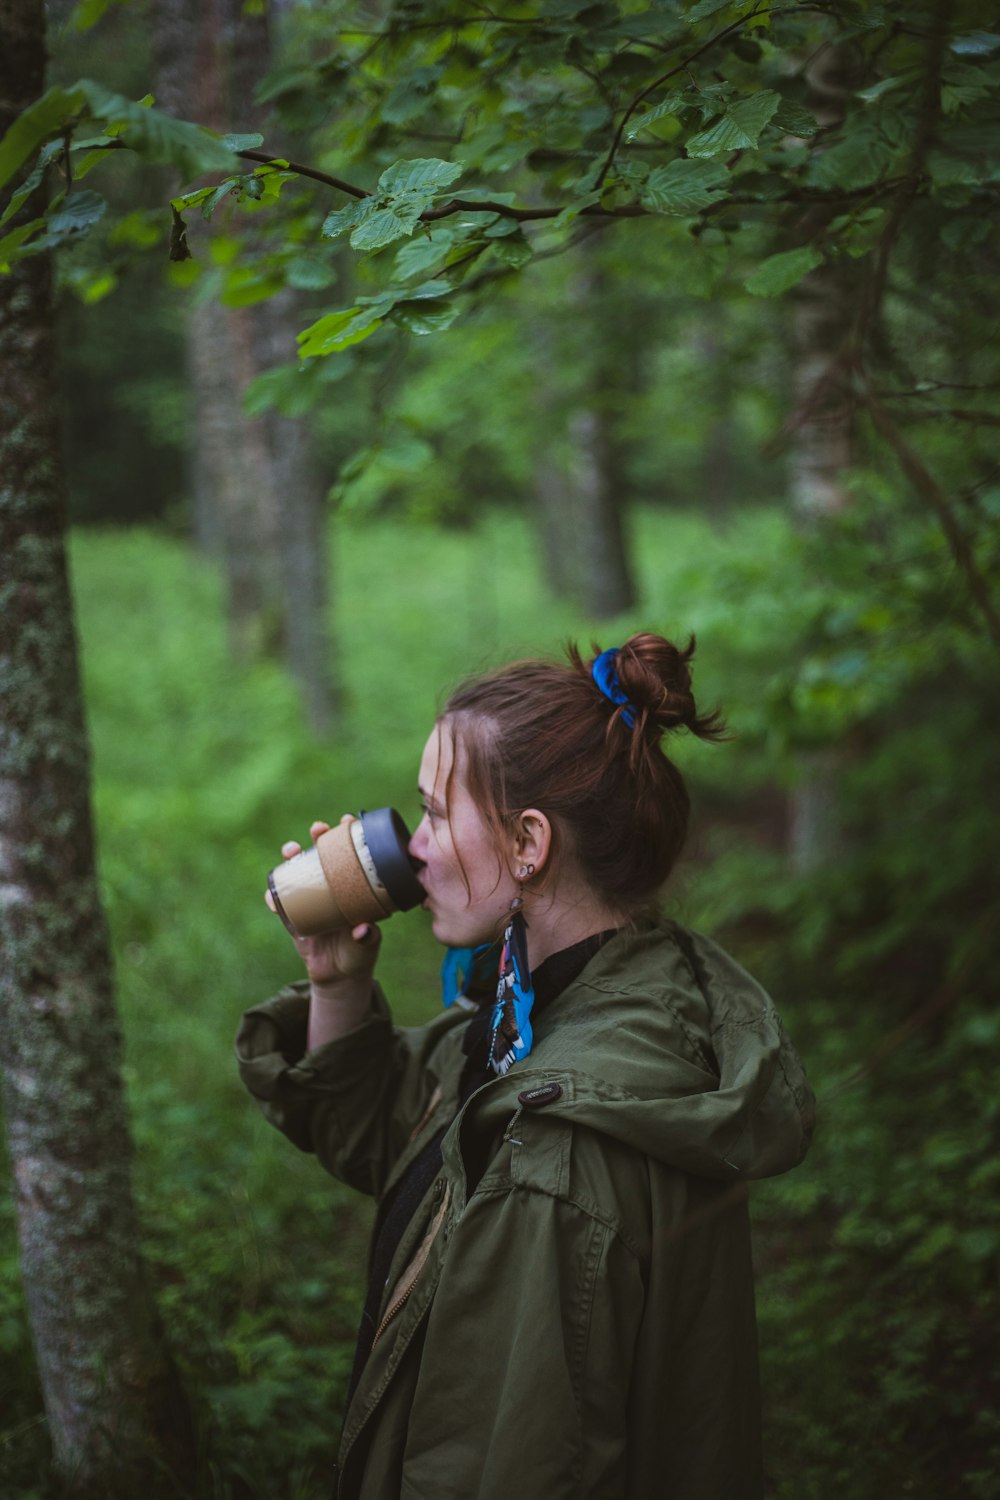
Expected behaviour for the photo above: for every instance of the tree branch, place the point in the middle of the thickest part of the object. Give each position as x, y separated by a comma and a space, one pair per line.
268, 158
684, 63
874, 290
927, 486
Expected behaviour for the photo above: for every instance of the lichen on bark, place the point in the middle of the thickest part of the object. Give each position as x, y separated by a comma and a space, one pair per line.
116, 1414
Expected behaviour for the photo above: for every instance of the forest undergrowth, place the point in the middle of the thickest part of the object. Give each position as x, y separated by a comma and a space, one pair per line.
877, 1259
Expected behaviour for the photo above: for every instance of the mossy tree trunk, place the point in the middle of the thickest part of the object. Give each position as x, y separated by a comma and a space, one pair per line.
117, 1418
259, 502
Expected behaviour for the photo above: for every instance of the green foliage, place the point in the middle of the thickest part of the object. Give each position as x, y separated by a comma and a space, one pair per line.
706, 114
863, 642
876, 1260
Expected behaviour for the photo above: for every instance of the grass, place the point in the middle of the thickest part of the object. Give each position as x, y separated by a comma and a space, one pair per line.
202, 769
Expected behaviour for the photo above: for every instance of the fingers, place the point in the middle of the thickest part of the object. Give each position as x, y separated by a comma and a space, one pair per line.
315, 829
366, 933
290, 849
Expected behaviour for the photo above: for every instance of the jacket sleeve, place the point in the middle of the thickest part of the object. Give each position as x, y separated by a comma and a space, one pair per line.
528, 1356
355, 1102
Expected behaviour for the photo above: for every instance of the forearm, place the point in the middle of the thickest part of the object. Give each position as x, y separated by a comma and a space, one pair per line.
337, 1007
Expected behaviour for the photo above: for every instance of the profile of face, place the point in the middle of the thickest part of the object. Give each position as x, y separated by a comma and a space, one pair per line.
469, 886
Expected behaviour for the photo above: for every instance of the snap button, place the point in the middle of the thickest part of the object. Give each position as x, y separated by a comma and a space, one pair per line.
536, 1098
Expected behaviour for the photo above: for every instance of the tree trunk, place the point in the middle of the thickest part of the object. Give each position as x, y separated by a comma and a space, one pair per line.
605, 581
117, 1417
820, 454
259, 504
554, 515
579, 489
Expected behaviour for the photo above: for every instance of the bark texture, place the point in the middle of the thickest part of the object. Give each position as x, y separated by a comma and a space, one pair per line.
116, 1414
820, 454
580, 500
259, 504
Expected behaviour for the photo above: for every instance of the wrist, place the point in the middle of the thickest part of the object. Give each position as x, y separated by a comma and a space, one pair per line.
337, 1006
334, 989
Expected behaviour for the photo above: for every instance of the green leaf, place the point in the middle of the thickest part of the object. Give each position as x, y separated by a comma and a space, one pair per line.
423, 177
192, 199
671, 105
563, 220
77, 213
794, 120
420, 318
157, 137
411, 95
703, 9
340, 330
23, 193
35, 124
739, 128
247, 285
216, 195
404, 191
384, 225
310, 273
349, 217
888, 85
976, 44
862, 157
779, 272
138, 230
90, 286
684, 186
419, 255
243, 142
13, 241
513, 250
88, 12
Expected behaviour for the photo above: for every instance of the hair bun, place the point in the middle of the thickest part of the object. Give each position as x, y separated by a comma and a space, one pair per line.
655, 675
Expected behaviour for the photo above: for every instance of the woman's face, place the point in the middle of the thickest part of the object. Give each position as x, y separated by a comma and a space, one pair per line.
469, 889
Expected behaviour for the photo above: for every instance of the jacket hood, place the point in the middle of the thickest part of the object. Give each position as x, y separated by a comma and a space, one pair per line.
665, 1043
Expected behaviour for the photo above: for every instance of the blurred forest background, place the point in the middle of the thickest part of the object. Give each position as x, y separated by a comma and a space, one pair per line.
280, 567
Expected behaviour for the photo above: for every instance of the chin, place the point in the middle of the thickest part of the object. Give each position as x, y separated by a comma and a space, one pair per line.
456, 934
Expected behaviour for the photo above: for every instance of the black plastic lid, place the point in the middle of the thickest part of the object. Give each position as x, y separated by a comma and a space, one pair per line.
387, 837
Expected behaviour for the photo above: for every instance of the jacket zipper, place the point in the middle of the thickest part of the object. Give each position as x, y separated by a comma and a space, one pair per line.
393, 1310
419, 1260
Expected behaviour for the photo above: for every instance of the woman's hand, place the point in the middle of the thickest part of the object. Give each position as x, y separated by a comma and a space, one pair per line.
333, 957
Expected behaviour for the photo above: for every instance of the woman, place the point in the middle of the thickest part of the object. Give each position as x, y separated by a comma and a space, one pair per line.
560, 1299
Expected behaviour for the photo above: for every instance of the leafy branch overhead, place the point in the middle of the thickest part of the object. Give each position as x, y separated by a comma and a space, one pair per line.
558, 117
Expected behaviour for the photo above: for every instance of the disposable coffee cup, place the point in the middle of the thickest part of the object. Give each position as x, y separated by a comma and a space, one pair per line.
356, 872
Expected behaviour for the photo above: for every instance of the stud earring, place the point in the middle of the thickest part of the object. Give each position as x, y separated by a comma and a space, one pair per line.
525, 872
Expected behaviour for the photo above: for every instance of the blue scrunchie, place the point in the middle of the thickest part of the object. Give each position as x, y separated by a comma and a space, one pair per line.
604, 673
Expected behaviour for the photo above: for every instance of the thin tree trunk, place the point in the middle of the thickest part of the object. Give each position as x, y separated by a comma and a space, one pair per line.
579, 487
820, 455
117, 1417
554, 518
605, 580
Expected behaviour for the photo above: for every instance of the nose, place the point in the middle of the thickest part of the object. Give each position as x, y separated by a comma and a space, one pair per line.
418, 843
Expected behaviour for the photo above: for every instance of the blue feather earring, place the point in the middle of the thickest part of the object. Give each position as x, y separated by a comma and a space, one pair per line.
510, 1034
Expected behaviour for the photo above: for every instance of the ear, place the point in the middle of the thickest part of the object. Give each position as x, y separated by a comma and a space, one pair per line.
532, 843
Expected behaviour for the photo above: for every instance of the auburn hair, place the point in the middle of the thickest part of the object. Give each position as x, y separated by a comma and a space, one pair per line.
542, 734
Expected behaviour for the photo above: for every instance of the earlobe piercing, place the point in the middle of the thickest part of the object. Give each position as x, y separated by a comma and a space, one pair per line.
525, 872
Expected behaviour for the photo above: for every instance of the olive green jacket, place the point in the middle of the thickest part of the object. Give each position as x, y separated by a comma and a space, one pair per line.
570, 1312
